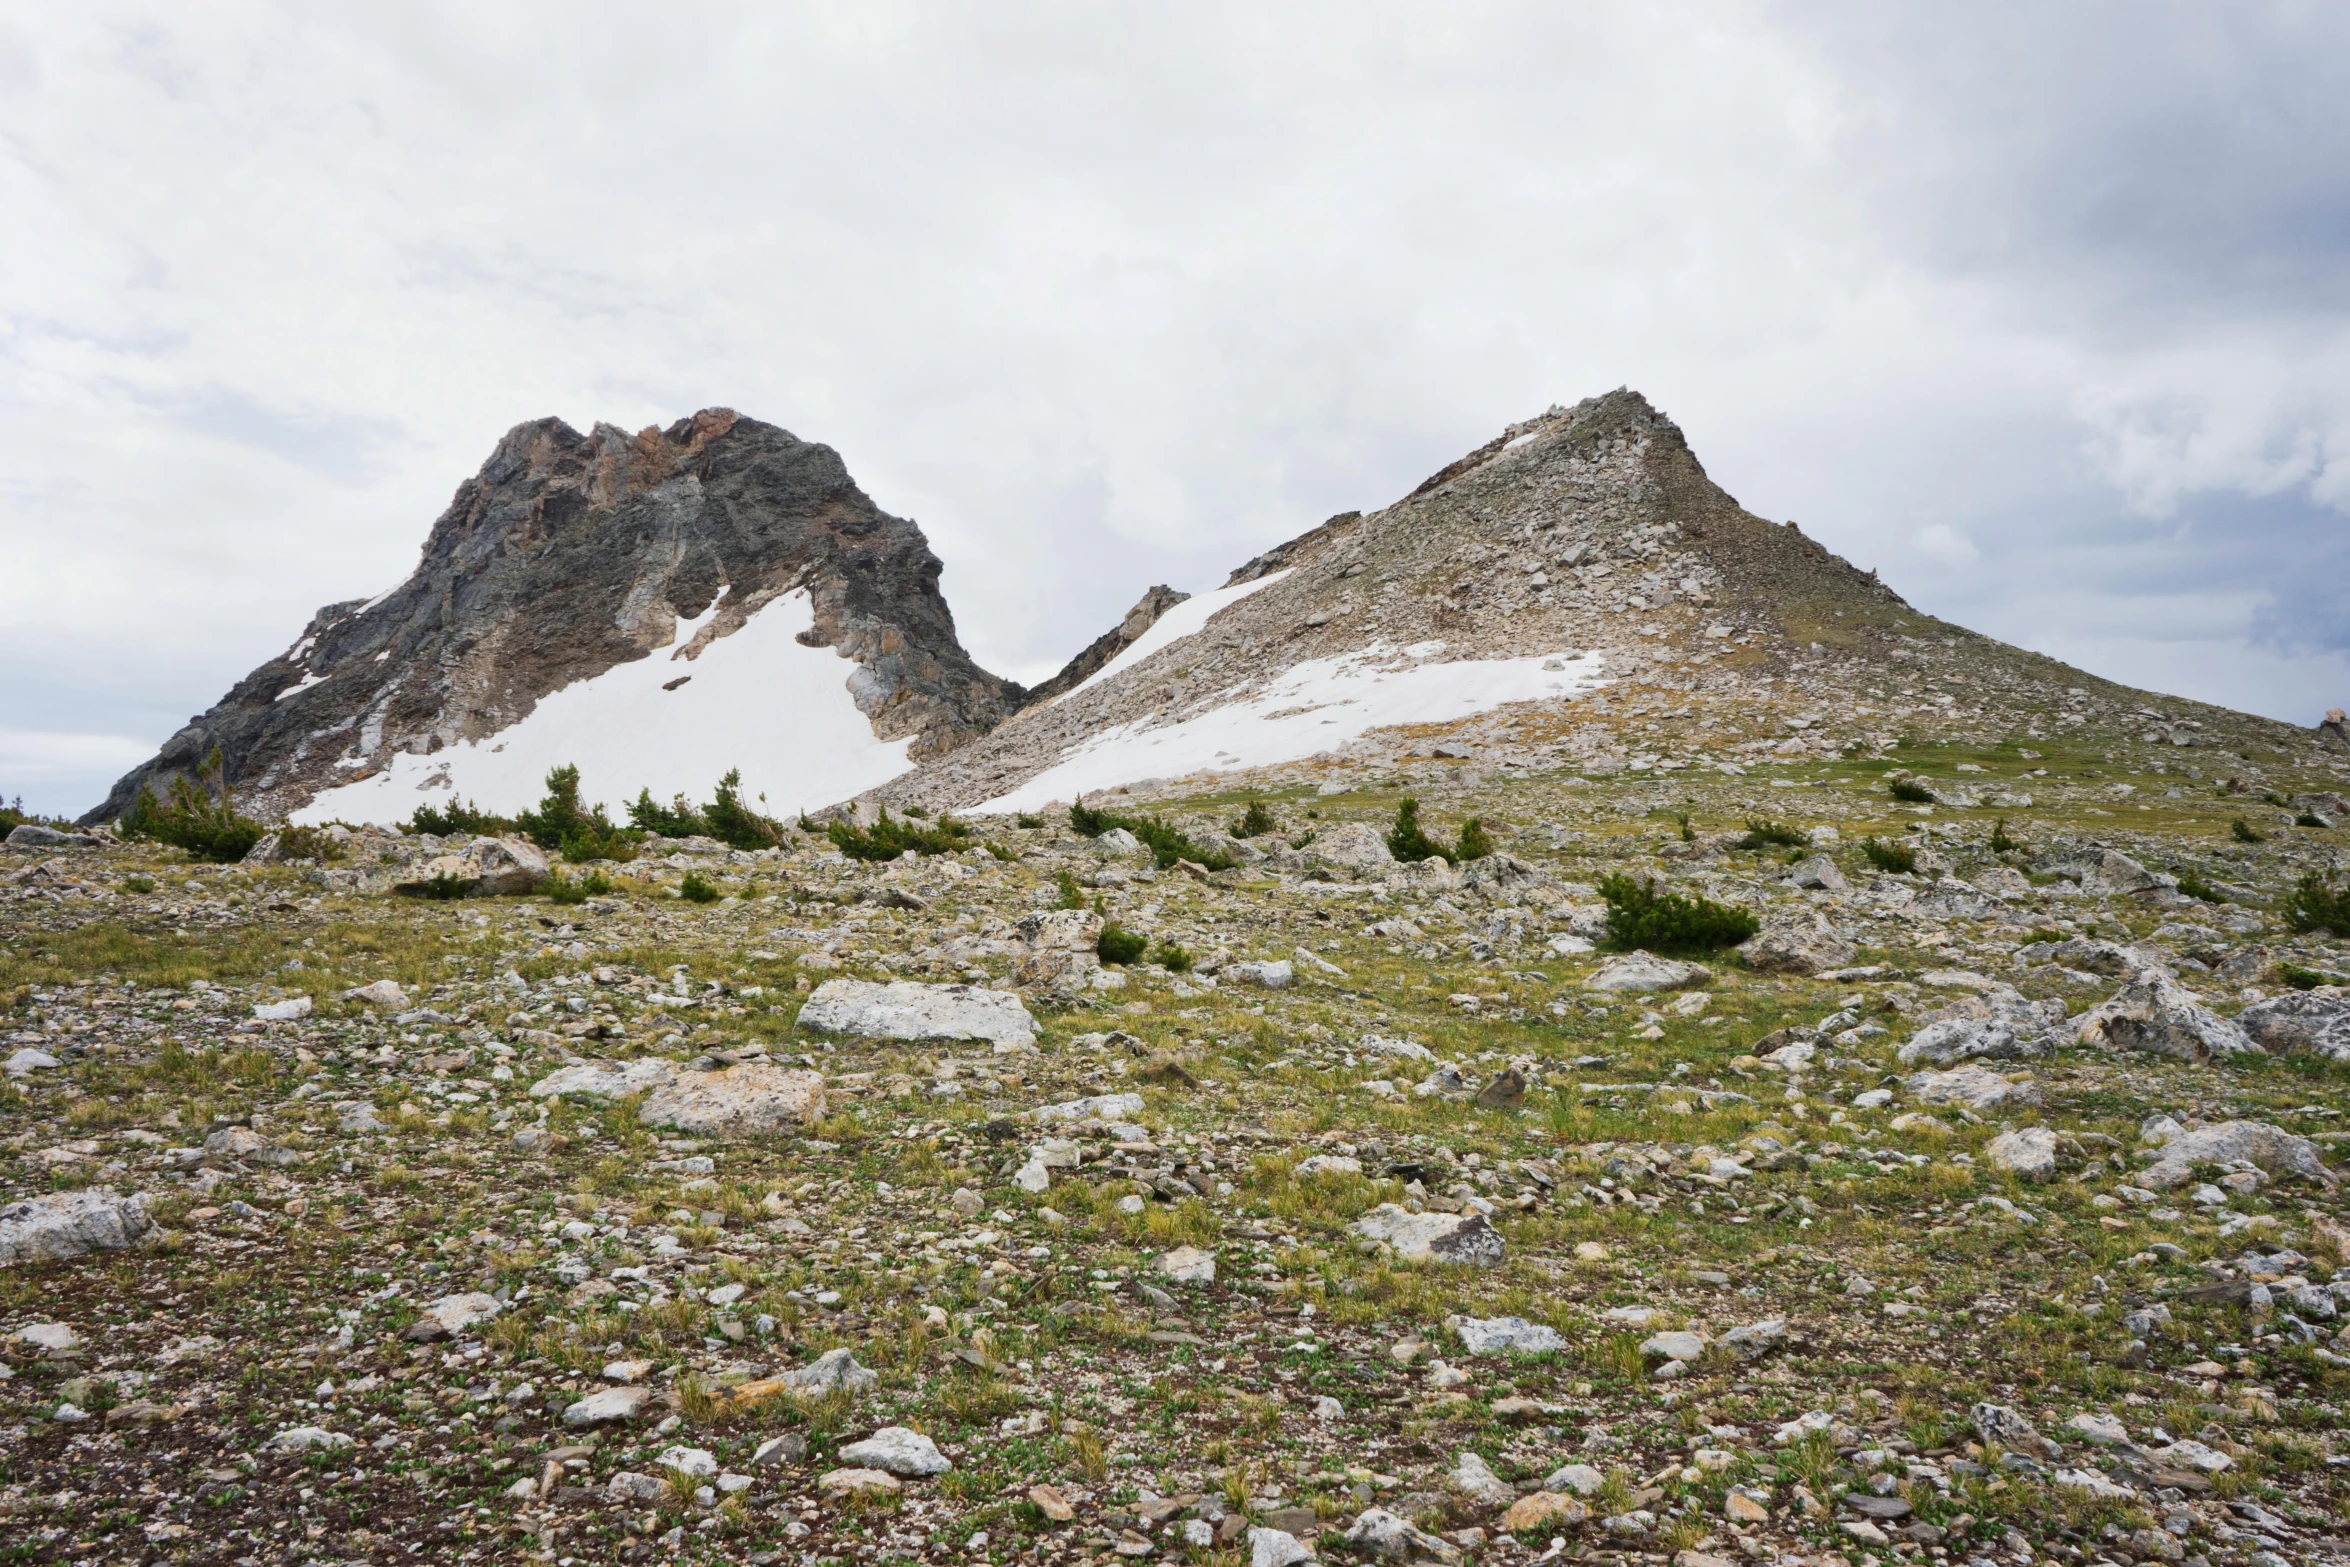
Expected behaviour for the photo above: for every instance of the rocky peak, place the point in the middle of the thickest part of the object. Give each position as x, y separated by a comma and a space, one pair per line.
570, 554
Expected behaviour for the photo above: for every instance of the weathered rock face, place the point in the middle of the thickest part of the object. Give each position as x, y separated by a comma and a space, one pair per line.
70, 1224
569, 554
2312, 1022
2154, 1012
910, 1011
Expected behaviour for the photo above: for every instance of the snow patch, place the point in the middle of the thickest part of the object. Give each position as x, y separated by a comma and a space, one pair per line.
758, 700
1312, 708
1172, 627
303, 684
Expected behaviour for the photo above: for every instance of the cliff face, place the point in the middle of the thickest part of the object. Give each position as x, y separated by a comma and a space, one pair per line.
570, 554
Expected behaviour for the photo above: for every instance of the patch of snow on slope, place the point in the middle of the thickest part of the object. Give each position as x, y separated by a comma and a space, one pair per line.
757, 700
1315, 707
1172, 627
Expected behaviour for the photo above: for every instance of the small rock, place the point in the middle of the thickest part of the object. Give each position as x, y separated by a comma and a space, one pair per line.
608, 1406
382, 993
1802, 943
1681, 1345
1278, 974
1383, 1534
308, 1439
1477, 1482
1976, 1087
628, 1486
25, 1062
1756, 1339
1642, 971
1187, 1265
788, 1448
1051, 1503
1101, 1107
1581, 1479
898, 1451
837, 1483
697, 1462
834, 1371
1507, 1336
283, 1011
1543, 1509
1465, 1239
1274, 1548
2028, 1153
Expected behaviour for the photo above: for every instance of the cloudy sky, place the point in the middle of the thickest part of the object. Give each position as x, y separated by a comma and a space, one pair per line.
2043, 312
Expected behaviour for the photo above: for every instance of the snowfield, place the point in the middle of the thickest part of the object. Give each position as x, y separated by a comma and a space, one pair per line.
1314, 707
758, 700
1172, 627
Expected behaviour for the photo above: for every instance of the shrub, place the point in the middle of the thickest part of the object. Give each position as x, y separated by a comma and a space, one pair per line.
2241, 831
1889, 856
1120, 946
999, 852
1408, 841
1256, 820
1071, 896
456, 817
1639, 916
2310, 819
15, 816
1024, 819
2195, 886
2299, 978
1474, 844
308, 843
1761, 835
2316, 906
695, 890
1688, 833
678, 819
2001, 843
1910, 791
1163, 838
735, 824
1174, 959
562, 889
561, 825
890, 837
191, 817
443, 886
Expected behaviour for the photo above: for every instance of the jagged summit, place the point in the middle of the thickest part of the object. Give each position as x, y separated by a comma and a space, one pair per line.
567, 605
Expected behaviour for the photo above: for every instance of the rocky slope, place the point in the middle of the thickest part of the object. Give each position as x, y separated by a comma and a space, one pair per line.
1591, 534
568, 555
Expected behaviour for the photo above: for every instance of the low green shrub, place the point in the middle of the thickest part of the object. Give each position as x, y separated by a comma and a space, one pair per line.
196, 814
2001, 843
443, 887
1639, 916
2316, 906
1910, 791
1408, 841
1024, 819
889, 837
1174, 959
735, 824
562, 889
998, 852
2299, 978
2310, 819
1070, 895
2241, 831
1163, 838
677, 819
308, 843
2195, 886
1255, 821
1688, 833
1120, 946
1475, 843
1762, 835
695, 890
561, 825
1889, 856
459, 816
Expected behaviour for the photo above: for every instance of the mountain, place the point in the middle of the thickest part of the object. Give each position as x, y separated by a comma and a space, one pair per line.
1576, 592
656, 608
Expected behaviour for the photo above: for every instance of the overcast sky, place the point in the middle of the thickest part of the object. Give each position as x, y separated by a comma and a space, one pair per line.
2041, 311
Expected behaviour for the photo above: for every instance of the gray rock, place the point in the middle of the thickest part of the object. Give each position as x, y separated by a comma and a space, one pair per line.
453, 1314
64, 1225
698, 1463
1463, 1239
484, 868
29, 836
2271, 1148
898, 1451
1507, 1336
2028, 1153
2302, 1022
1756, 1339
1581, 1479
309, 1439
2000, 1426
750, 1099
1977, 1088
1477, 1482
605, 1079
2155, 1013
283, 1011
609, 1406
1642, 971
1677, 1345
382, 993
629, 1486
1400, 1049
1187, 1265
1378, 1532
1278, 974
1354, 846
1273, 1548
906, 1010
834, 1371
1819, 871
25, 1062
1100, 1107
1796, 943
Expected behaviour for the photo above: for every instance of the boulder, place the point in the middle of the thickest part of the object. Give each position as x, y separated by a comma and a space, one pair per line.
1475, 1480
1756, 1339
1543, 1510
25, 1062
834, 1371
605, 1079
1796, 943
2000, 1426
2271, 1148
1977, 1088
453, 1314
382, 993
1582, 1479
64, 1225
898, 1451
750, 1099
283, 1011
484, 868
1354, 846
1100, 1107
1275, 1548
1677, 1345
30, 836
857, 1482
1279, 974
1642, 971
1187, 1265
609, 1406
2110, 874
2155, 1013
1819, 871
1060, 949
1464, 1239
2301, 1022
1378, 1532
2028, 1153
906, 1010
1507, 1336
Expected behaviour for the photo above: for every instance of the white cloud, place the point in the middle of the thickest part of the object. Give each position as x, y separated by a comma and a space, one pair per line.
1940, 541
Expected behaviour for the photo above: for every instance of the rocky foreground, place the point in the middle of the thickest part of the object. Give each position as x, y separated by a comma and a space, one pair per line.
1988, 1211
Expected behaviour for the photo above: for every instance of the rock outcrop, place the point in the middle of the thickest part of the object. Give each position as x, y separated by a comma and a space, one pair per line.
570, 554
